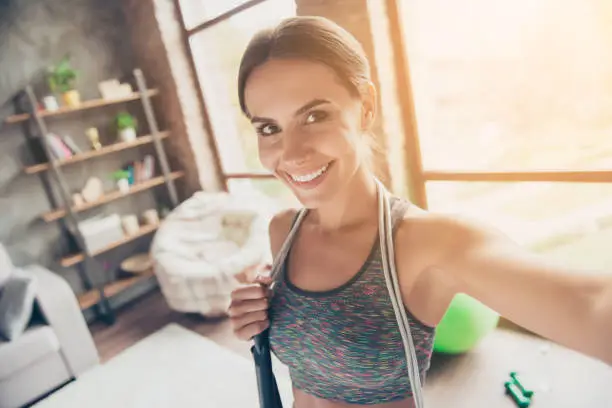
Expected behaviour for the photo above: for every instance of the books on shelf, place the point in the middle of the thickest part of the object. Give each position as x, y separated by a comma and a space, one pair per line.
68, 141
141, 170
62, 147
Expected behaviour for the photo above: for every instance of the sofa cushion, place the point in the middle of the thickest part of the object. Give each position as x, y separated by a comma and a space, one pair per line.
35, 343
16, 305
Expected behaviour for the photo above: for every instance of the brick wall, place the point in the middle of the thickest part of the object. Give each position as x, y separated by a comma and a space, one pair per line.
159, 48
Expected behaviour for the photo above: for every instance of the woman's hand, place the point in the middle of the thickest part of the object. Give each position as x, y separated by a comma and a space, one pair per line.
248, 309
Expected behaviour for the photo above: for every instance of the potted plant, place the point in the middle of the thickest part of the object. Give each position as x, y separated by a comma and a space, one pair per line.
61, 79
121, 177
126, 126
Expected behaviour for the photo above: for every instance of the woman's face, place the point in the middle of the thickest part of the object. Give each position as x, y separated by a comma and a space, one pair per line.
309, 127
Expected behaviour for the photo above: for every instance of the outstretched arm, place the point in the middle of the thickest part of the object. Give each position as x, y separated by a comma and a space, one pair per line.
570, 307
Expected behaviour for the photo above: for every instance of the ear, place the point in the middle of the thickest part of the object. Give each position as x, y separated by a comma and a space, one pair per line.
369, 104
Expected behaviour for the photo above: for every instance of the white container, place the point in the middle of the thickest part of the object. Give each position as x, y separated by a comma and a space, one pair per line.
100, 232
130, 224
50, 103
127, 135
151, 217
123, 185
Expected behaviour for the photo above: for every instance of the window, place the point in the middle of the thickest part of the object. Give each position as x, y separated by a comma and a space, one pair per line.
196, 12
570, 221
517, 86
512, 85
216, 49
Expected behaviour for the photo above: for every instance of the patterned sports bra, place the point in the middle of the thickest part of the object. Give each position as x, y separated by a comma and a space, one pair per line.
344, 345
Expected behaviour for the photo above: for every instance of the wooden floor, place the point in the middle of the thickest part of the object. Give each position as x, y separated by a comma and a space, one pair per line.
560, 378
149, 314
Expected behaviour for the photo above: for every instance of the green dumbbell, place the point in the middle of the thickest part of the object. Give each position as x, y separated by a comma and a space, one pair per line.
513, 390
515, 378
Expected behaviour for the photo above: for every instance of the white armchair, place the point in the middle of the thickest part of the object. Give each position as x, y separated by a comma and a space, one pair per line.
55, 348
203, 244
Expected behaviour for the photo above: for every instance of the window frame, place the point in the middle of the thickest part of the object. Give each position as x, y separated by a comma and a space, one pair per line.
413, 153
417, 175
187, 34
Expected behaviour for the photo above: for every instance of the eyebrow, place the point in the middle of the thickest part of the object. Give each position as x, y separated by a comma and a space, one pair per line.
306, 107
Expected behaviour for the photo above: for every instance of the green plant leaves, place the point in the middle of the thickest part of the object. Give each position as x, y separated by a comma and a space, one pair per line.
61, 77
124, 120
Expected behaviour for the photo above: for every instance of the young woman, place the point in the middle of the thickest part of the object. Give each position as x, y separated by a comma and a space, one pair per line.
305, 85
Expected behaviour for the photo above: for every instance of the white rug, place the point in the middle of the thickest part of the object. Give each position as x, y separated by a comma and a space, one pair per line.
173, 367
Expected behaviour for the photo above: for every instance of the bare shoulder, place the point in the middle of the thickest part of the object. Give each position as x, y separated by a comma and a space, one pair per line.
425, 242
437, 236
279, 228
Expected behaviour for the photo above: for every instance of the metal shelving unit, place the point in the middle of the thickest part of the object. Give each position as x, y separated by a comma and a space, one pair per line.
68, 216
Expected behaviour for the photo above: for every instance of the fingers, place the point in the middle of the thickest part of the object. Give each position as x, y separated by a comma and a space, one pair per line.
239, 308
248, 274
264, 280
249, 317
247, 332
248, 310
248, 292
253, 273
242, 321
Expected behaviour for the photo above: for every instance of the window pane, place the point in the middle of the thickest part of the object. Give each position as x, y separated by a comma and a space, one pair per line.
217, 52
198, 11
280, 196
570, 222
512, 84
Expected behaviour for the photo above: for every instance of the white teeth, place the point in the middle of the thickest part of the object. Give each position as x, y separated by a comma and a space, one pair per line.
304, 178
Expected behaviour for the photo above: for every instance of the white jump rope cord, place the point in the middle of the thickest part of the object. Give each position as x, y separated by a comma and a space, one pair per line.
388, 261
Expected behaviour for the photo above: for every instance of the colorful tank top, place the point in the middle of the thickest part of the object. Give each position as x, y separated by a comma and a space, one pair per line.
344, 345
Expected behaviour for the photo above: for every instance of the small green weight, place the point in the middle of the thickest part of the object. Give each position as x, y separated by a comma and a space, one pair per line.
516, 394
515, 378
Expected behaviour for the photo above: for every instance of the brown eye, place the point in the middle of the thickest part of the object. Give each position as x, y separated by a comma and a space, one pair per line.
268, 129
316, 116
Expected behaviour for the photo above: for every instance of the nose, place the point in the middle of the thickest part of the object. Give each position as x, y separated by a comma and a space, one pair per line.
296, 150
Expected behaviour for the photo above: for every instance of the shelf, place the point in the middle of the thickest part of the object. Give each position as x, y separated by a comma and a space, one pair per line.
115, 195
76, 258
91, 297
113, 148
35, 121
250, 175
91, 104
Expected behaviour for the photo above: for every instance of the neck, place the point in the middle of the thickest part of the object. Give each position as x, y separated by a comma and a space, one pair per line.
355, 204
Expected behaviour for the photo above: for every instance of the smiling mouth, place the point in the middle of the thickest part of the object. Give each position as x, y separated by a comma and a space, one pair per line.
306, 178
